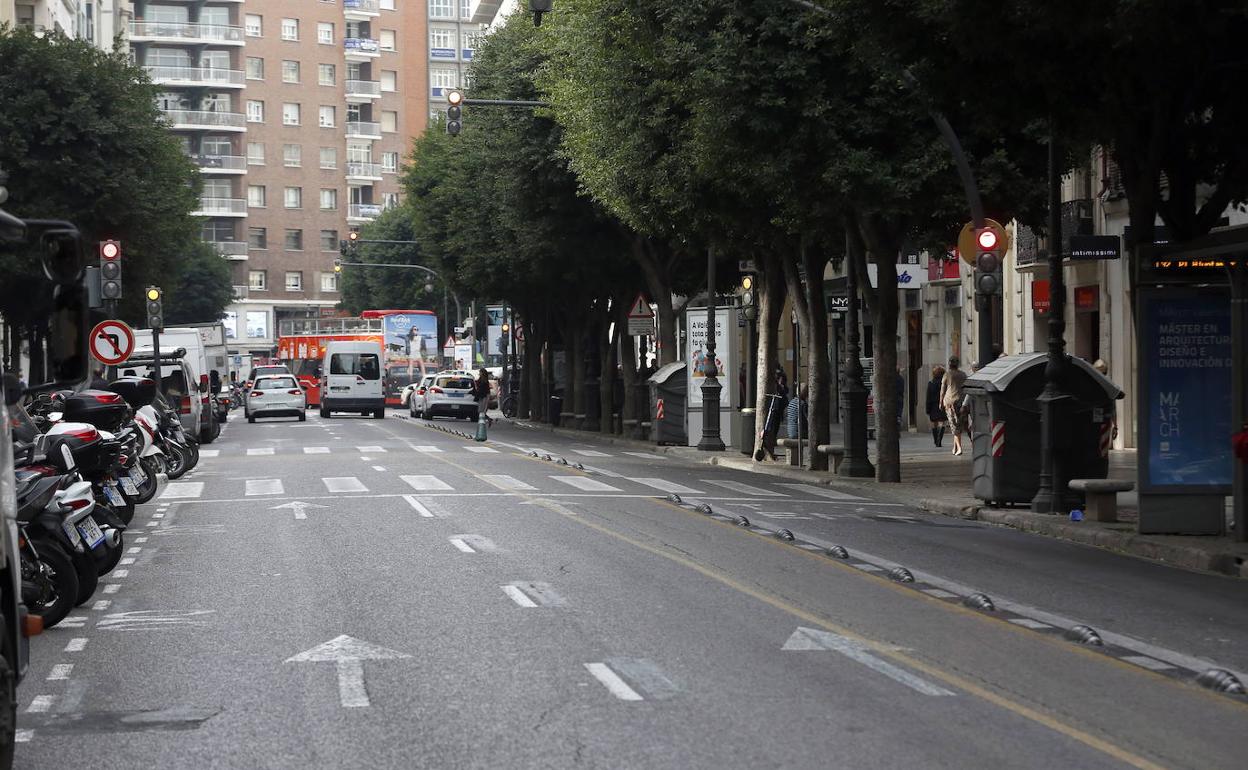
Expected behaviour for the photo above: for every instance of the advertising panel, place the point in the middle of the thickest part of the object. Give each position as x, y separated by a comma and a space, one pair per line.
399, 326
695, 357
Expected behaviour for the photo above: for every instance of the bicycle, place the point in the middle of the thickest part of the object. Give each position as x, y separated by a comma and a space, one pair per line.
509, 405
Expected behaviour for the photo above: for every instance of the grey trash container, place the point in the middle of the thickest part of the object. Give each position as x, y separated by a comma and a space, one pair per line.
668, 394
1005, 420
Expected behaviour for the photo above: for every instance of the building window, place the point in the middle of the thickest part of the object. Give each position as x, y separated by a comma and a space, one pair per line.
387, 5
389, 121
290, 29
326, 74
441, 9
389, 200
255, 68
443, 77
257, 280
390, 162
255, 153
294, 197
290, 71
255, 111
328, 115
465, 9
294, 281
325, 33
290, 114
292, 155
387, 40
329, 199
294, 240
389, 80
329, 157
329, 282
257, 238
442, 38
329, 240
254, 25
255, 196
257, 324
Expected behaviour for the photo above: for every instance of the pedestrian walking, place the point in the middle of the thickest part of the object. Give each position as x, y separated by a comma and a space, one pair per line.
795, 413
951, 400
481, 394
935, 412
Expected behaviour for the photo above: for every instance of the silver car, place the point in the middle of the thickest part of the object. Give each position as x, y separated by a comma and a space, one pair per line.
275, 395
449, 395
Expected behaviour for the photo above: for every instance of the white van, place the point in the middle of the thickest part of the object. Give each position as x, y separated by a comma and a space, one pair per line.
196, 359
351, 378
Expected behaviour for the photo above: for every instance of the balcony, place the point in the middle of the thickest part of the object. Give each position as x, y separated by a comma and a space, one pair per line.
166, 75
220, 164
359, 91
363, 129
235, 251
363, 212
363, 170
184, 32
361, 10
202, 120
361, 48
221, 207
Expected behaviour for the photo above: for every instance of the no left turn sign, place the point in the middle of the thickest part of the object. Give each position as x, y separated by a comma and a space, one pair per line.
112, 342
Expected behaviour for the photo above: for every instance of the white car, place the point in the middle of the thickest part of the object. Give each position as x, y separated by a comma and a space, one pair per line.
414, 395
449, 395
275, 395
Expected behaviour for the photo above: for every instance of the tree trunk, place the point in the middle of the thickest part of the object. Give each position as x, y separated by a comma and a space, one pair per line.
770, 306
818, 365
533, 343
887, 399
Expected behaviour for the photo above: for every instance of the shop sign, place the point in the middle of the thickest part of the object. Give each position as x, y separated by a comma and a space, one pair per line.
1040, 296
1087, 299
1085, 247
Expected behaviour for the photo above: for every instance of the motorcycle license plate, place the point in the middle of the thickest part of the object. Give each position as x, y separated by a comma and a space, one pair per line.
129, 486
91, 532
71, 533
137, 475
114, 497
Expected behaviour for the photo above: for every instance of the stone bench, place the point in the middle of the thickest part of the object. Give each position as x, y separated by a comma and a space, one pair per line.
835, 454
792, 445
1101, 496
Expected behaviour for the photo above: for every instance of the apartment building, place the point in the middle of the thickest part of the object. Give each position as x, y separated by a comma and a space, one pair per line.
99, 21
298, 114
453, 33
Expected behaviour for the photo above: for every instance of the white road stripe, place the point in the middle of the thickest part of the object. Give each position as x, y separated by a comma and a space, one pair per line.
351, 692
119, 573
584, 484
112, 588
209, 452
379, 468
831, 494
260, 450
126, 562
646, 455
160, 515
616, 686
418, 506
1029, 623
425, 483
23, 736
482, 449
939, 593
140, 540
590, 453
503, 481
344, 484
519, 596
1143, 661
40, 704
135, 549
182, 490
369, 449
316, 450
819, 639
665, 486
461, 545
425, 449
264, 487
737, 486
77, 644
60, 671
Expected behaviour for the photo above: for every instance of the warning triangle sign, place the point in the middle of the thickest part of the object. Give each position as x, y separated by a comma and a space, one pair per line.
640, 308
450, 342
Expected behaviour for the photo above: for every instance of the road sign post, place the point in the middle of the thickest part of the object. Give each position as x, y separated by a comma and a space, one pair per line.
640, 318
112, 342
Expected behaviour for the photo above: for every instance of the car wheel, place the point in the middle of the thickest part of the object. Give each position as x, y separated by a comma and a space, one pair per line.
324, 413
303, 416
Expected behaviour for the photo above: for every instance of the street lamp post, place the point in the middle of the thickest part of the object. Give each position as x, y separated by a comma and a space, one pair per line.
856, 463
711, 441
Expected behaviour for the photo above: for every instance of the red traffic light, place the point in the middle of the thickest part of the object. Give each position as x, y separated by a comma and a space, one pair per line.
110, 250
987, 239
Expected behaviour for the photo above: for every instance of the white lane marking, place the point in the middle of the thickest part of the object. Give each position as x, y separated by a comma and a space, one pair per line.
153, 524
126, 562
101, 605
477, 543
40, 704
379, 468
77, 644
482, 449
538, 592
939, 593
140, 540
503, 481
590, 453
603, 471
461, 545
425, 483
584, 484
1152, 664
616, 686
264, 487
369, 449
1029, 623
209, 452
119, 573
426, 449
867, 567
77, 621
892, 517
135, 549
60, 671
646, 455
182, 490
831, 494
112, 588
23, 736
316, 450
418, 506
518, 596
344, 484
351, 692
348, 655
805, 639
260, 450
665, 486
158, 515
737, 486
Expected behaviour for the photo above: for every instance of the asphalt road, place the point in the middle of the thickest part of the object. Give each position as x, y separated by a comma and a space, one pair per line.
367, 593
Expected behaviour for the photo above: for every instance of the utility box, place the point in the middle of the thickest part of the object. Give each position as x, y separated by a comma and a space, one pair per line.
668, 397
1005, 420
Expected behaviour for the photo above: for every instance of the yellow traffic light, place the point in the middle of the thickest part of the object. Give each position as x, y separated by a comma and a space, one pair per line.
354, 235
506, 328
454, 97
153, 294
747, 283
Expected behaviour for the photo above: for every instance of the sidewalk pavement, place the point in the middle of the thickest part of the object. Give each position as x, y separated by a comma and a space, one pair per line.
935, 480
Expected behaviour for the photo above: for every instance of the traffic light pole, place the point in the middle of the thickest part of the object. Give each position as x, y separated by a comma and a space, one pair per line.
160, 388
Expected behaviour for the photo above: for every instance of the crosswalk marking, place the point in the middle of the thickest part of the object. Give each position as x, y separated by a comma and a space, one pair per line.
316, 450
264, 487
737, 486
176, 490
369, 449
590, 453
666, 486
503, 481
209, 452
425, 449
344, 484
584, 484
260, 450
425, 483
418, 506
831, 494
482, 449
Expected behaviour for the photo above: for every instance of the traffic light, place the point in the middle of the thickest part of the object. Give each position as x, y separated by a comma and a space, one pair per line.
990, 246
337, 265
749, 306
155, 311
110, 269
454, 110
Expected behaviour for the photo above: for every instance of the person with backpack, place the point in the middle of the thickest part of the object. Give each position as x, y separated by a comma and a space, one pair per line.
481, 394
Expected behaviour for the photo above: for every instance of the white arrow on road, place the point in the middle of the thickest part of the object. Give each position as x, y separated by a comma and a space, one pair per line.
349, 654
298, 506
806, 639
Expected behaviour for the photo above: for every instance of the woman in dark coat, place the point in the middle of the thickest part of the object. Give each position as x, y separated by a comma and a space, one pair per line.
935, 412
